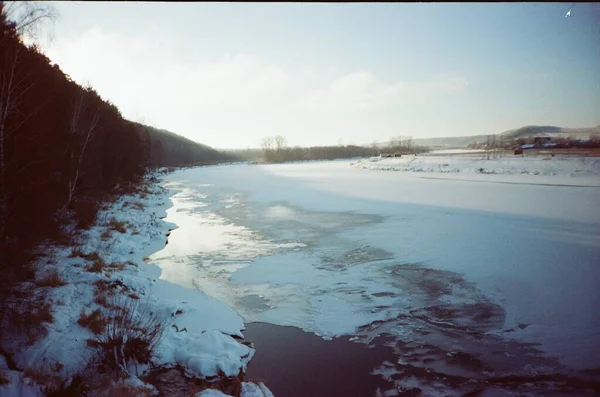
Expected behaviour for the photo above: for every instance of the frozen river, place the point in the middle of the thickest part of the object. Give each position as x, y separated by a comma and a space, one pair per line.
471, 277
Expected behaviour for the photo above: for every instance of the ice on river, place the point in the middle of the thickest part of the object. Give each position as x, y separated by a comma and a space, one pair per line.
501, 273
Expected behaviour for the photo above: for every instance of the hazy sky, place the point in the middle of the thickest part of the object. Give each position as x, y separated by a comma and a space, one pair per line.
228, 74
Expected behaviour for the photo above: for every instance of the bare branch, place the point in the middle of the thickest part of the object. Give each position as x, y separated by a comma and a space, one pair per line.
29, 16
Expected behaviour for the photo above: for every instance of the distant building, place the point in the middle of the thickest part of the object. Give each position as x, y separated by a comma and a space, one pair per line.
540, 141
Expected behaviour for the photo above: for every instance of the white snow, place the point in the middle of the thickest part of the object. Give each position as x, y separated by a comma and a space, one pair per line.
206, 347
509, 168
456, 151
211, 393
249, 389
17, 385
528, 237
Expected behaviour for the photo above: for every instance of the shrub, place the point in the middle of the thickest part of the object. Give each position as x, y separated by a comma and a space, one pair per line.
44, 377
94, 321
117, 266
92, 256
85, 210
130, 336
102, 300
52, 279
106, 235
97, 266
117, 225
76, 252
125, 390
23, 314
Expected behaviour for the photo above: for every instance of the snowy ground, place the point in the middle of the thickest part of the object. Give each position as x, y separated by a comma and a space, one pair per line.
509, 168
481, 275
207, 348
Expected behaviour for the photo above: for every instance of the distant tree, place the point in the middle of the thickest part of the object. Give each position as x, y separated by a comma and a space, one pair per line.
280, 142
268, 143
408, 142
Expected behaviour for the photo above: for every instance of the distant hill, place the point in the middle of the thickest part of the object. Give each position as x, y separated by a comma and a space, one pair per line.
523, 132
450, 142
536, 130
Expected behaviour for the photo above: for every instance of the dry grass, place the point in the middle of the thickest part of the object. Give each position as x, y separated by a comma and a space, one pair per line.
92, 256
3, 378
97, 266
52, 279
105, 292
95, 321
103, 300
104, 386
106, 235
44, 377
116, 225
130, 336
102, 286
26, 315
42, 314
76, 252
122, 390
116, 266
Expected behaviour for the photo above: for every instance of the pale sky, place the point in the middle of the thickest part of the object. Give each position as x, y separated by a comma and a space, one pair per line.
229, 74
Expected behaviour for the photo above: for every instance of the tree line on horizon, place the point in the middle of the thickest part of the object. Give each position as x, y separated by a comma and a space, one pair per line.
275, 149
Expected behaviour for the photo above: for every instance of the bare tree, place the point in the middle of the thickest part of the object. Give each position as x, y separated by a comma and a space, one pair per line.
28, 17
268, 143
408, 141
13, 88
280, 142
80, 135
24, 18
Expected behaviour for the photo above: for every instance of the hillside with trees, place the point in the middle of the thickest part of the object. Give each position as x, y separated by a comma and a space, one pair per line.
63, 148
166, 149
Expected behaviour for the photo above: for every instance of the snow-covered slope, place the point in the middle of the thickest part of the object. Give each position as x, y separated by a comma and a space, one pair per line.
205, 348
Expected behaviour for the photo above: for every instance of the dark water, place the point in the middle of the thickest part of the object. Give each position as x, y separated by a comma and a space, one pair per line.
294, 363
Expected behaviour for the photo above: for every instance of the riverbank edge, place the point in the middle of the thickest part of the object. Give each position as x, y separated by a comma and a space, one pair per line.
125, 233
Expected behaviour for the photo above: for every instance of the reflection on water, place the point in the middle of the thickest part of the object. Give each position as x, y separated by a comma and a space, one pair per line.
254, 302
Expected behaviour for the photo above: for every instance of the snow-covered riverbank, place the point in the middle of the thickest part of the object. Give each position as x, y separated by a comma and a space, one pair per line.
108, 266
545, 169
